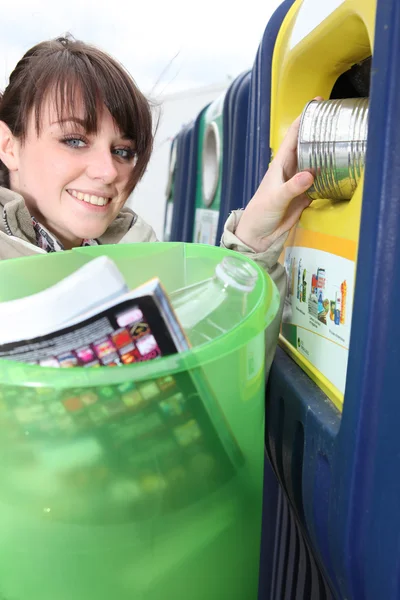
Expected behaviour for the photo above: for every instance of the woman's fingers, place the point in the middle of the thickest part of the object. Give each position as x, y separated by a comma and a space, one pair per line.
296, 186
294, 212
289, 143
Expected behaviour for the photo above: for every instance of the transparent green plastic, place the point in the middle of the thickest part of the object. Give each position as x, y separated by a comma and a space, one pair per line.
113, 483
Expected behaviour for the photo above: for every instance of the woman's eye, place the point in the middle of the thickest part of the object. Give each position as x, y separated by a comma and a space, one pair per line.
125, 153
74, 142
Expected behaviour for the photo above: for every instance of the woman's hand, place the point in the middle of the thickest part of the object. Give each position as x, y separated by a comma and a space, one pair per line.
279, 201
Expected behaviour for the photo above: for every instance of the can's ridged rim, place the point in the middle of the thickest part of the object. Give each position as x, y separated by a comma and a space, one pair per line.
311, 190
302, 117
322, 152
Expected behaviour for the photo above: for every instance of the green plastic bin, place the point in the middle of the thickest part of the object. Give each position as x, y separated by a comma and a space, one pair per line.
103, 493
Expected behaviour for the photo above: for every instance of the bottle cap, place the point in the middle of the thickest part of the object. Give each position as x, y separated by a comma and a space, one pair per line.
237, 274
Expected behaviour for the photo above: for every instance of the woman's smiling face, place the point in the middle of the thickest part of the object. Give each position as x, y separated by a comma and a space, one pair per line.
74, 182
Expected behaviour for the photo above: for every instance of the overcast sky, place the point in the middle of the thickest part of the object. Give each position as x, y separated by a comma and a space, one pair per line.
209, 46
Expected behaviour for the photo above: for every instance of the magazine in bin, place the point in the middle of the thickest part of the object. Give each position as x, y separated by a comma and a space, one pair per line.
130, 441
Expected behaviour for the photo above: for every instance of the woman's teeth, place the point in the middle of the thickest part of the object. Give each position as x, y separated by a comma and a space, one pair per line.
98, 200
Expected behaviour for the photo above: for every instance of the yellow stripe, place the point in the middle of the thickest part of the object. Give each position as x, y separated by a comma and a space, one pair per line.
321, 241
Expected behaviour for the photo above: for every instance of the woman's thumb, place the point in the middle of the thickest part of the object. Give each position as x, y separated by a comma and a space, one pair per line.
296, 186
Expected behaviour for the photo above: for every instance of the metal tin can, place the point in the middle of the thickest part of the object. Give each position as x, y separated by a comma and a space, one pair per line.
331, 145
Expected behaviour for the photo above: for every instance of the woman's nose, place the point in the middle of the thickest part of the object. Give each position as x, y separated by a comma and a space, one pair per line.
102, 166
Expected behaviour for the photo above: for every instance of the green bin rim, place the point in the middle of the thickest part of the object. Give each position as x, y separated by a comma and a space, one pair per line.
257, 320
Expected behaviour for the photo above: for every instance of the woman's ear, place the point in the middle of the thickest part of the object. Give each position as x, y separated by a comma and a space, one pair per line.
9, 147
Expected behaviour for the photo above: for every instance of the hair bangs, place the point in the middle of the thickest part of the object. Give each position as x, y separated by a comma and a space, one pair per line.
71, 94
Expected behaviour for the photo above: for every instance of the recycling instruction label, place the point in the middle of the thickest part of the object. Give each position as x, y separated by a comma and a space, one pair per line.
319, 306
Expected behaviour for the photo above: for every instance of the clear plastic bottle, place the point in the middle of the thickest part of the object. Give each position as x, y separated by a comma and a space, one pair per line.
210, 308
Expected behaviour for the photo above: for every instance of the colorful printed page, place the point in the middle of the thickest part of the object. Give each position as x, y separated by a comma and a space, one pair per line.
138, 326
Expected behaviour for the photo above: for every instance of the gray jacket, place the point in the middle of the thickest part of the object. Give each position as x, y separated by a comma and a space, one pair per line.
17, 238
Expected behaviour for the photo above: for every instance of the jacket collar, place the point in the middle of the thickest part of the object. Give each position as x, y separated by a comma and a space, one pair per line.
16, 220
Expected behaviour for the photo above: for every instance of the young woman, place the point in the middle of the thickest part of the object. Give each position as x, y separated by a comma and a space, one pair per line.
75, 139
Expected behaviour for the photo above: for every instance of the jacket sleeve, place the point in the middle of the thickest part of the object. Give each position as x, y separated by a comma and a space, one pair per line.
268, 260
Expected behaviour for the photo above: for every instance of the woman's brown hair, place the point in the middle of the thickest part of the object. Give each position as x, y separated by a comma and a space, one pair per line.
73, 71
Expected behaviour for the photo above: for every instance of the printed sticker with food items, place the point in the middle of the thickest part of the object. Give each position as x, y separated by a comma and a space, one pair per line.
318, 309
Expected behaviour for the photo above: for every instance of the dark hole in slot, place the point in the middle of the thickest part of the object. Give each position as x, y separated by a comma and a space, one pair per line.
297, 469
280, 441
308, 579
355, 82
282, 550
322, 589
296, 561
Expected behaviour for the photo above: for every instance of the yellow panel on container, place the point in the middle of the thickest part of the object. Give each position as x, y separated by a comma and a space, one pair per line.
325, 242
